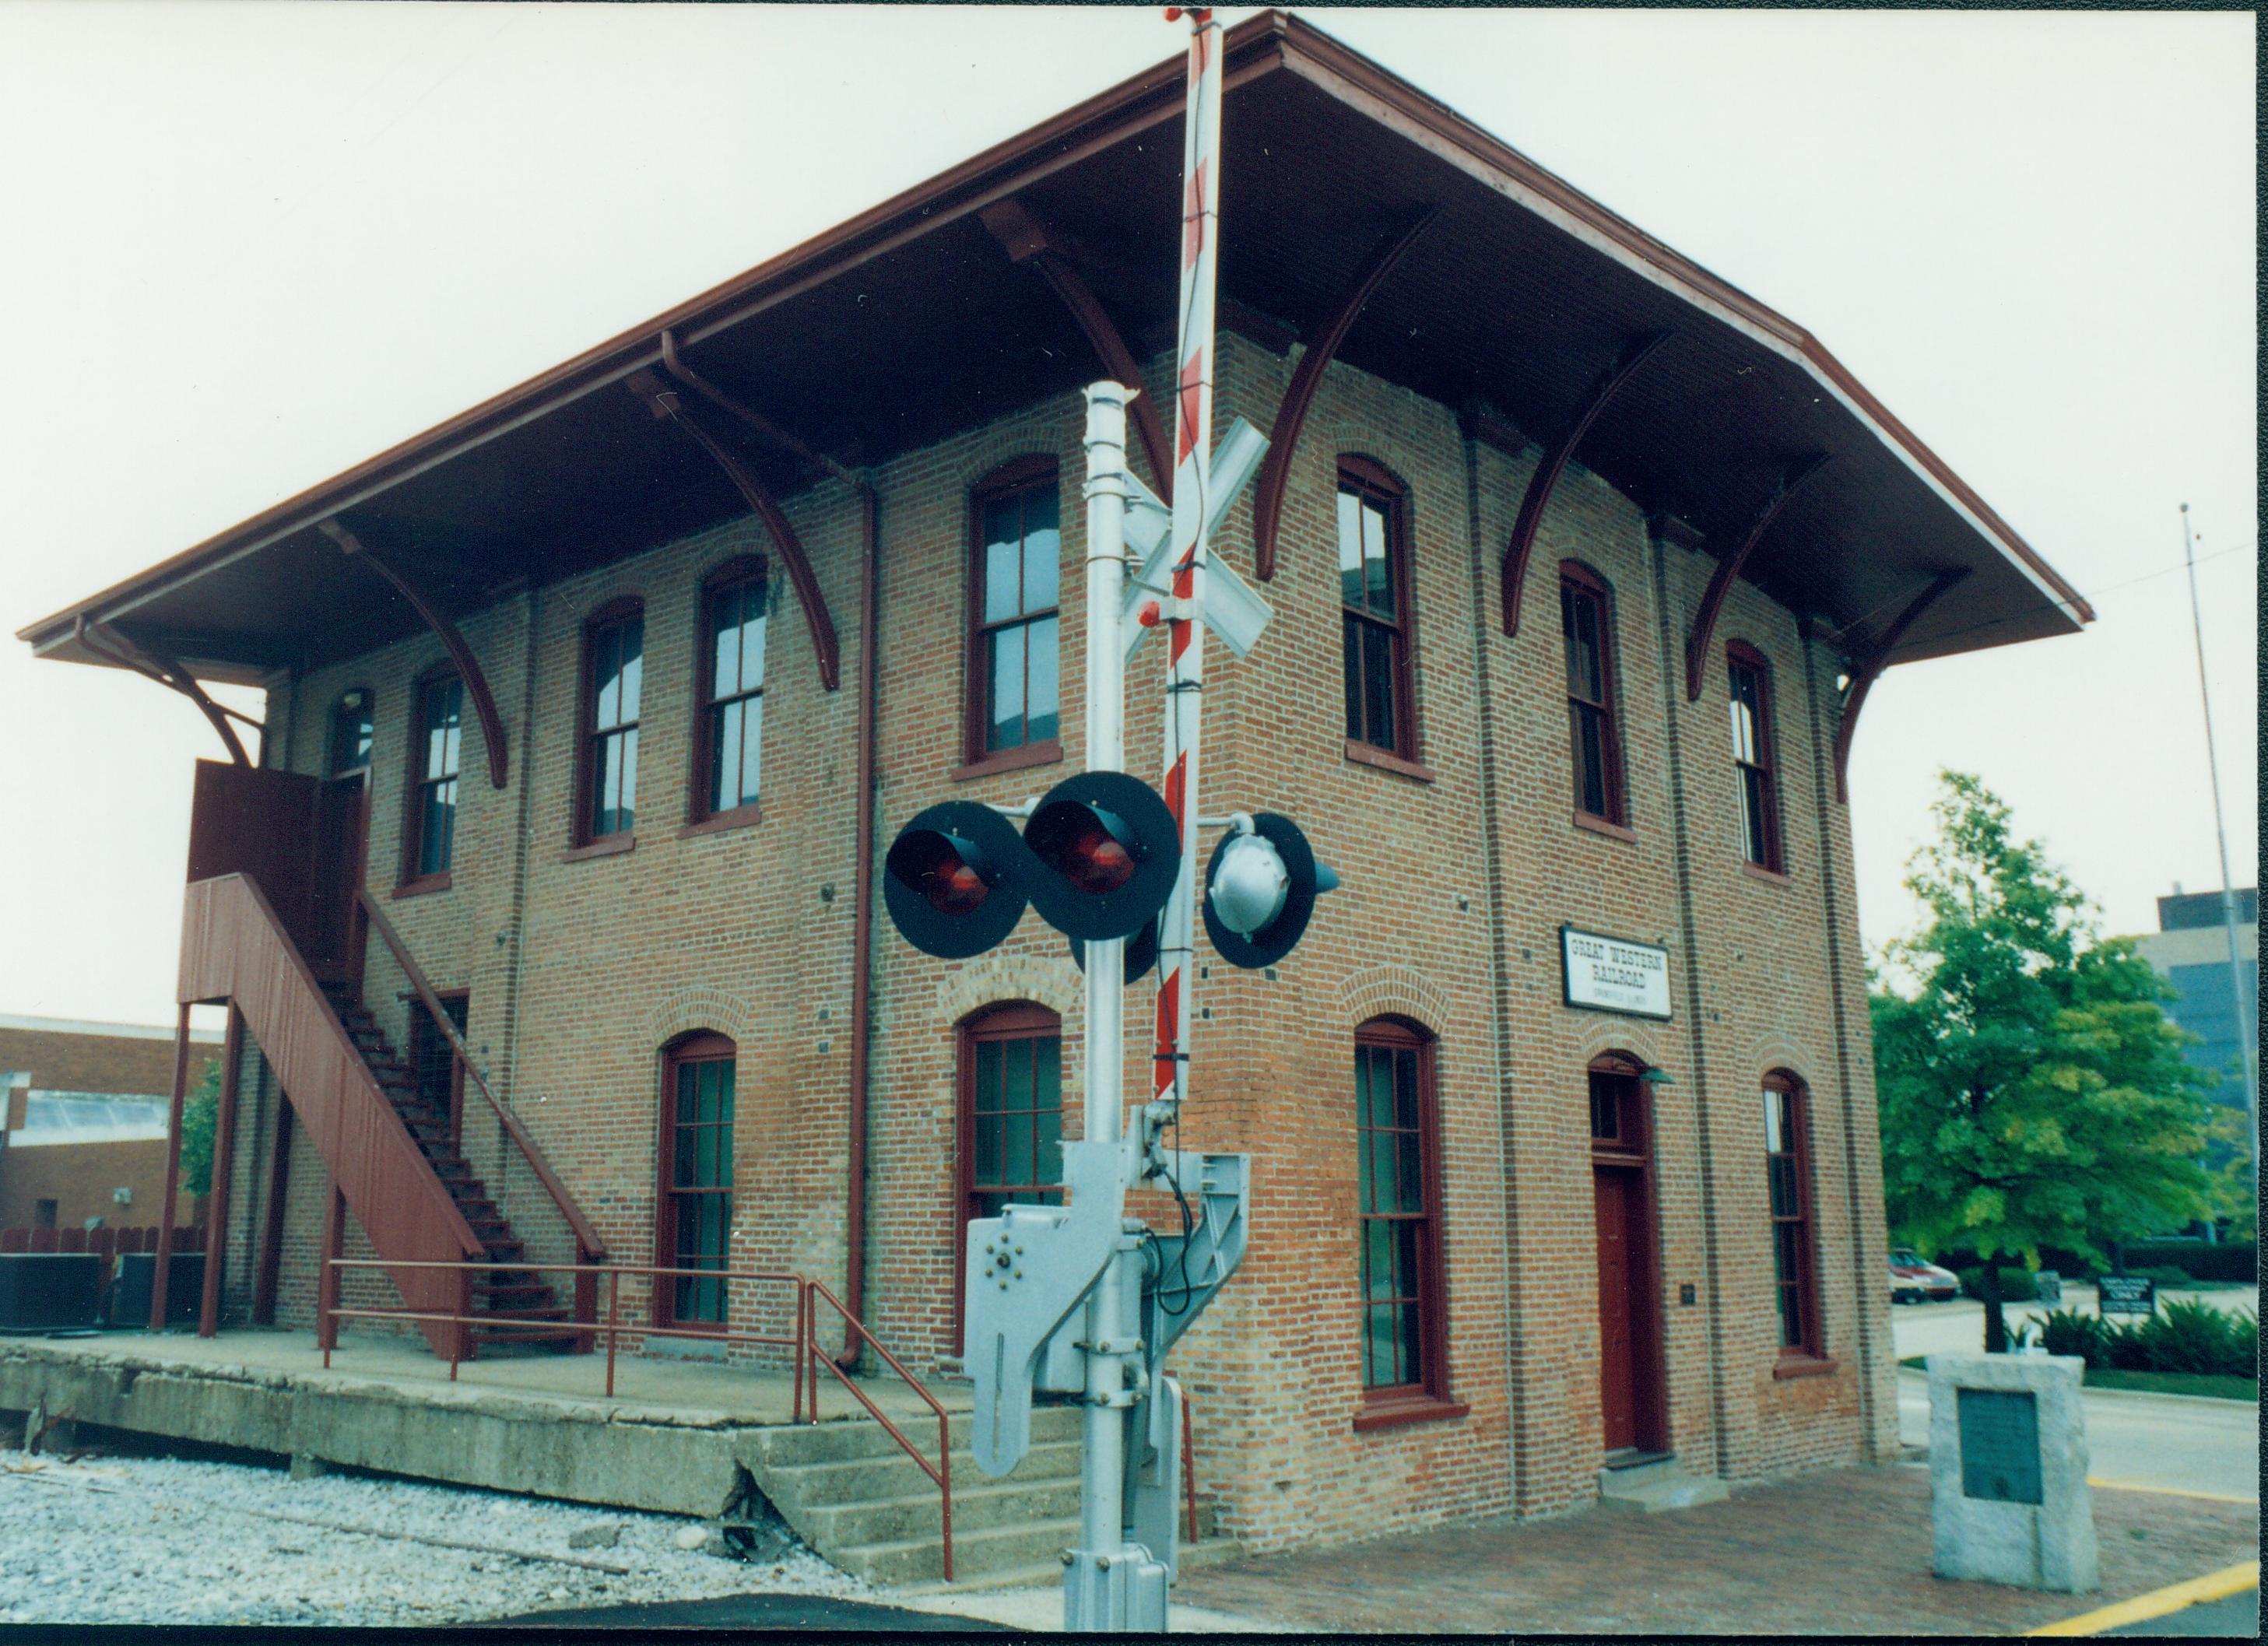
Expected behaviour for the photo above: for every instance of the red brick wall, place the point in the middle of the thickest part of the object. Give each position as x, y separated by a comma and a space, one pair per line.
581, 972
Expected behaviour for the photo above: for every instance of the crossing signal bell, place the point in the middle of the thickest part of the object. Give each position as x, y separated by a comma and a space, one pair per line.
1260, 889
1098, 860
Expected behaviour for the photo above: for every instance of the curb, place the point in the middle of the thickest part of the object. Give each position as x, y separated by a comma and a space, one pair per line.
2212, 1586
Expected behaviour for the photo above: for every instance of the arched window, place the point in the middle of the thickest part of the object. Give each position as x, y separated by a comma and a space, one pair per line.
1373, 532
428, 830
614, 673
1756, 778
1011, 1110
353, 727
1403, 1324
1788, 1176
729, 687
694, 1227
1594, 725
1016, 551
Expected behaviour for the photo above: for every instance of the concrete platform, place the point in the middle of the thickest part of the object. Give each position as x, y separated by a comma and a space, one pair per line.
676, 1437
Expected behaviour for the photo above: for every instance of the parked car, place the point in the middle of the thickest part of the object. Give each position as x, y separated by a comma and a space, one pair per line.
1915, 1279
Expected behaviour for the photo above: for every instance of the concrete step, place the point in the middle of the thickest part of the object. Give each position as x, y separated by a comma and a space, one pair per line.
977, 1556
1657, 1485
839, 1440
811, 1486
920, 1516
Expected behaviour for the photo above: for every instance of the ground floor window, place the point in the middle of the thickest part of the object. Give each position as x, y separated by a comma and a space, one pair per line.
695, 1224
1787, 1172
1398, 1246
1011, 1110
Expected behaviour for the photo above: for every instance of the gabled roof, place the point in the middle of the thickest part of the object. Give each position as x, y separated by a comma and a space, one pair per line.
909, 322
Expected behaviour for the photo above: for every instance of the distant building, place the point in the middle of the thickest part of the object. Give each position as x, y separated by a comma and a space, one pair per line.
2190, 950
83, 1112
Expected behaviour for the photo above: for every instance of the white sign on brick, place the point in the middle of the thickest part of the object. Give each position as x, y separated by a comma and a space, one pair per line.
1611, 974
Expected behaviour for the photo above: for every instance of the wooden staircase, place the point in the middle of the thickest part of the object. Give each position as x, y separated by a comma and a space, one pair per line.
504, 1294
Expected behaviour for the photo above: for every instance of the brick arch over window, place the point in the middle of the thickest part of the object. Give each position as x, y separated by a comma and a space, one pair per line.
1394, 991
701, 1009
1643, 1046
1054, 983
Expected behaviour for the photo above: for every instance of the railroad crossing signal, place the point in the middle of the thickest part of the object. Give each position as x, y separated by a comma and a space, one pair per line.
1261, 888
1098, 860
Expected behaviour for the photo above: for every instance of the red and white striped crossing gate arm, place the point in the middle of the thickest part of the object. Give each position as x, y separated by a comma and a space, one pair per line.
1192, 474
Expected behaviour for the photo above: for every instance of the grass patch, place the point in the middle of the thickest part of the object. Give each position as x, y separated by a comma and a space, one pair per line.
2209, 1383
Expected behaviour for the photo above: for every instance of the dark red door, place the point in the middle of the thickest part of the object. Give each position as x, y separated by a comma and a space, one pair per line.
1616, 1197
345, 835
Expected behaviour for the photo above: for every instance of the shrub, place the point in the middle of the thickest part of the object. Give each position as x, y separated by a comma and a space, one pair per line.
2016, 1284
2169, 1276
2068, 1332
2197, 1337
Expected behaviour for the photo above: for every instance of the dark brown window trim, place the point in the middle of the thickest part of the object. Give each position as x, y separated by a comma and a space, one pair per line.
699, 819
1574, 574
408, 882
1431, 1394
1600, 826
1369, 755
1739, 655
1791, 1364
1003, 1021
1366, 477
1385, 1408
1808, 1288
423, 886
702, 1046
1010, 759
719, 822
621, 610
1770, 876
1023, 474
605, 846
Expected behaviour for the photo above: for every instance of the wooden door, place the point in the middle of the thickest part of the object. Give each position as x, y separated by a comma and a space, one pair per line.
344, 838
1618, 1272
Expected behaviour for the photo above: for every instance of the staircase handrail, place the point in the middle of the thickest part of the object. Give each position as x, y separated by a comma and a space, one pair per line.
941, 1474
587, 1242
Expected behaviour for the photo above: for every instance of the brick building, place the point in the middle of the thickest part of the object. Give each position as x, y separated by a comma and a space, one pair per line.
83, 1120
1582, 564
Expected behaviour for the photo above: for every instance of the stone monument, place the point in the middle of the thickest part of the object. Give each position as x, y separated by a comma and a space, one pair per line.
2007, 1467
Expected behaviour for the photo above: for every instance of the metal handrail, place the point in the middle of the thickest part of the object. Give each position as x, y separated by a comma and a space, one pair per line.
942, 1475
588, 1246
328, 1311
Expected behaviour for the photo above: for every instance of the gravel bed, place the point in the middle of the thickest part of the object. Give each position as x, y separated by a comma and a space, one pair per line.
167, 1540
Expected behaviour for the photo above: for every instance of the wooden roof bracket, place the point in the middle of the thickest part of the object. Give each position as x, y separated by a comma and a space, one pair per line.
1720, 581
1308, 376
168, 673
1554, 464
667, 406
468, 666
1866, 670
1028, 241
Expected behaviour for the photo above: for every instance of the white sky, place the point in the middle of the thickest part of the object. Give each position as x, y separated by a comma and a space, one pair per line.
243, 247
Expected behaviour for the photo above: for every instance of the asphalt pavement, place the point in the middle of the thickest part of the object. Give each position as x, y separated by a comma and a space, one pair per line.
2153, 1442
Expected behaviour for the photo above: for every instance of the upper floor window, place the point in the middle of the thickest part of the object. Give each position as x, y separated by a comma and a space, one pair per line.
1404, 1331
1587, 626
1013, 699
1756, 786
352, 731
1787, 1173
430, 836
730, 752
613, 652
1375, 597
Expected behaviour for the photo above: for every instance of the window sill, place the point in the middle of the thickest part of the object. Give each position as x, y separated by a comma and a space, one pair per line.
1802, 1366
1600, 826
1395, 1411
424, 885
1368, 754
605, 846
1770, 876
717, 822
1012, 759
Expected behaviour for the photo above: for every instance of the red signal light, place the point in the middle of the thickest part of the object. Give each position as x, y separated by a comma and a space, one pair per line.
931, 864
1083, 844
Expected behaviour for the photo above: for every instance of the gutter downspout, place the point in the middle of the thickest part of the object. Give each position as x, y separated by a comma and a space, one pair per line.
861, 942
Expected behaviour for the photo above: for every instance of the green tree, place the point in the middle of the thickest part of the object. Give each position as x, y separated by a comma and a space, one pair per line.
200, 1111
2032, 1091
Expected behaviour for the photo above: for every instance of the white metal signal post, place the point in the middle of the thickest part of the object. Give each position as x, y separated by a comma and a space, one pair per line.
1079, 1299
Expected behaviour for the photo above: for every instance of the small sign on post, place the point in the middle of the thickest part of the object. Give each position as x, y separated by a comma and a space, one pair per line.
2125, 1294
